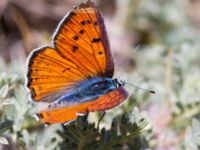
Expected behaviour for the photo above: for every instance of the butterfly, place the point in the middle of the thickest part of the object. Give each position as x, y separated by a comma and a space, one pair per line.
74, 75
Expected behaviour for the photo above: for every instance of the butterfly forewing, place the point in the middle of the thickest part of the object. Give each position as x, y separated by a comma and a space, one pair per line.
82, 35
51, 74
81, 51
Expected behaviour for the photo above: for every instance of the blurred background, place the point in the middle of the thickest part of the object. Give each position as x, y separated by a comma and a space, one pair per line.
156, 46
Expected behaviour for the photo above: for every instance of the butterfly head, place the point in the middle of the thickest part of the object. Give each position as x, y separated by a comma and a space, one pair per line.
118, 83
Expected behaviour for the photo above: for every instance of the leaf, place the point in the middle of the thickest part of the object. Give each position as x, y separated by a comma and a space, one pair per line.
8, 101
4, 91
192, 137
5, 126
84, 135
79, 134
7, 79
128, 127
3, 140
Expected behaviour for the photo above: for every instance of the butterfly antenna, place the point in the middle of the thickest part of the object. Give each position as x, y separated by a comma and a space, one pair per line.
136, 49
137, 87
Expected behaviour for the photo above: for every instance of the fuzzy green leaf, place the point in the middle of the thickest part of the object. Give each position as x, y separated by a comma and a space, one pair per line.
3, 140
4, 91
84, 135
4, 126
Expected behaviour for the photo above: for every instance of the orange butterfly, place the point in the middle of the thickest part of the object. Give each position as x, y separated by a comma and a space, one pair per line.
74, 76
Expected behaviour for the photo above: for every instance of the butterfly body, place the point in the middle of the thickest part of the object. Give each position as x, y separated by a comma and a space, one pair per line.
87, 90
74, 75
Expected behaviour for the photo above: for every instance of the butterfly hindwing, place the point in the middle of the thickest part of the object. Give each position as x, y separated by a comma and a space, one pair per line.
67, 114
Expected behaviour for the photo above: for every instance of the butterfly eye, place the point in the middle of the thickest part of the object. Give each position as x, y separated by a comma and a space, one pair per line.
117, 83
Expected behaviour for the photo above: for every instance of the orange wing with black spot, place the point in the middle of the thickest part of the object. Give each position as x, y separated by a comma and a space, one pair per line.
50, 75
82, 34
80, 50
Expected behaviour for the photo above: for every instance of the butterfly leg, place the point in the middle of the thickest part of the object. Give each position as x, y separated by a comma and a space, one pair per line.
100, 119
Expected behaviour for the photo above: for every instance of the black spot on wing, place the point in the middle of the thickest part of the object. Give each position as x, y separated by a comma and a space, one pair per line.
89, 21
100, 52
39, 115
75, 37
83, 22
74, 48
81, 31
96, 40
65, 70
95, 23
73, 13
